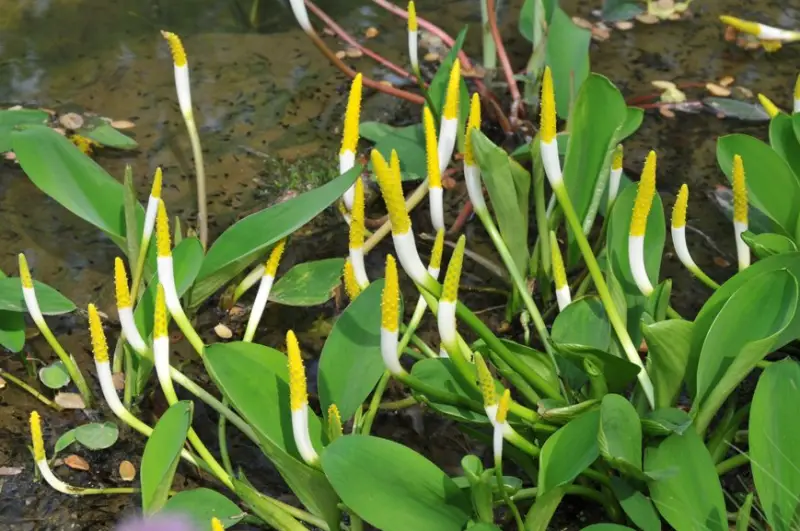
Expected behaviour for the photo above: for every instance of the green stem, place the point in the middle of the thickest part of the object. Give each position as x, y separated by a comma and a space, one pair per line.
79, 491
197, 153
223, 442
702, 277
498, 472
395, 405
489, 48
69, 363
25, 387
127, 397
375, 403
734, 462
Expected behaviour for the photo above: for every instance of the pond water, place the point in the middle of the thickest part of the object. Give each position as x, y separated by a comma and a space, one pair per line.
269, 107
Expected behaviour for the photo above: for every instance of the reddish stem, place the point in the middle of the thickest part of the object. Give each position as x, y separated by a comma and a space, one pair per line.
462, 218
516, 97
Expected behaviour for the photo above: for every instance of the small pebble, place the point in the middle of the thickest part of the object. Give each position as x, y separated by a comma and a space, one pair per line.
371, 32
340, 54
718, 90
431, 57
727, 81
624, 25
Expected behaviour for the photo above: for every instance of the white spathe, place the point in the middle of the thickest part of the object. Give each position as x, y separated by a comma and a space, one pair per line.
636, 262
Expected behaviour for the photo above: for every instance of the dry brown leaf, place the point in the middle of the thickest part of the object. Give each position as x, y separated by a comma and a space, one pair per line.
727, 81
718, 90
127, 471
76, 462
647, 18
730, 34
10, 470
371, 32
237, 311
340, 54
582, 23
119, 381
624, 25
666, 112
353, 52
431, 57
601, 33
70, 401
384, 82
223, 331
721, 262
122, 124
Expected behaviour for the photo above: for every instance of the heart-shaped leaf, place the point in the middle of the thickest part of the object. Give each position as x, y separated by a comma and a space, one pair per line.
54, 376
309, 283
201, 505
97, 436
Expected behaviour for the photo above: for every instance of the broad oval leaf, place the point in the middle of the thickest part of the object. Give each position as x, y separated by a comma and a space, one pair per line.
569, 451
784, 141
442, 374
567, 55
309, 283
393, 487
11, 119
201, 505
666, 421
12, 330
106, 135
51, 302
620, 434
55, 375
161, 455
636, 505
774, 437
618, 372
768, 243
97, 436
583, 322
668, 344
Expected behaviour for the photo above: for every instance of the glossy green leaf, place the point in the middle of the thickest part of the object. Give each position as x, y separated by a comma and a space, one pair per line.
616, 10
569, 451
11, 119
738, 109
51, 302
536, 360
668, 344
12, 330
633, 121
527, 16
72, 179
392, 487
771, 185
688, 494
567, 55
636, 505
541, 512
442, 374
743, 516
583, 322
768, 244
618, 372
201, 505
97, 435
784, 141
252, 236
54, 376
130, 206
774, 437
620, 434
309, 283
409, 142
266, 508
351, 364
63, 442
666, 421
161, 455
105, 135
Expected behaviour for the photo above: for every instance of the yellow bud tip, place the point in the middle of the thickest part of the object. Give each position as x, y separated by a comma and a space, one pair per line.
335, 419
453, 275
644, 196
24, 272
99, 345
438, 248
350, 283
739, 191
616, 161
679, 210
357, 230
297, 373
559, 273
351, 117
176, 47
769, 106
485, 382
155, 191
390, 297
271, 267
797, 88
121, 284
160, 317
474, 122
36, 437
412, 17
216, 524
392, 191
502, 407
432, 150
163, 245
548, 110
745, 26
453, 89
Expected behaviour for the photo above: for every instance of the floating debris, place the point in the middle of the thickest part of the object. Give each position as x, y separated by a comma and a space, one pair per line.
71, 120
718, 90
371, 32
76, 462
127, 471
353, 52
70, 401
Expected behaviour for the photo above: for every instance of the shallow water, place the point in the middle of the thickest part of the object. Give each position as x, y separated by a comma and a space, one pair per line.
264, 97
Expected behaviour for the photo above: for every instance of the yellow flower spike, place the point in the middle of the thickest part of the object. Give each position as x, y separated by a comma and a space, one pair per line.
158, 178
616, 160
485, 382
797, 90
548, 108
36, 437
745, 26
502, 407
390, 297
453, 275
412, 17
163, 244
771, 45
453, 89
334, 422
160, 316
176, 47
216, 524
431, 148
297, 373
99, 345
437, 251
474, 122
680, 207
559, 273
644, 196
121, 284
271, 267
392, 191
350, 284
352, 116
739, 191
25, 272
357, 230
770, 107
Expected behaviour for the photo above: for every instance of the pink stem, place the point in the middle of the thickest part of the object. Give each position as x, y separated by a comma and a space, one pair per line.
516, 97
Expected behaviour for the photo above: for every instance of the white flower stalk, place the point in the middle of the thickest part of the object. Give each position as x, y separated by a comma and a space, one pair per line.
402, 234
769, 106
678, 230
641, 210
472, 173
760, 31
357, 233
161, 344
796, 107
435, 192
547, 131
125, 308
299, 401
413, 32
443, 352
740, 220
563, 295
390, 319
262, 296
347, 155
616, 174
301, 14
152, 209
41, 458
446, 316
448, 130
501, 426
29, 293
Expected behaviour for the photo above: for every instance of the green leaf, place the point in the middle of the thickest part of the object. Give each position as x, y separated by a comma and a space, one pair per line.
536, 360
12, 330
743, 516
740, 110
528, 13
540, 514
636, 505
569, 451
105, 135
97, 436
351, 364
668, 344
688, 494
72, 179
393, 487
374, 131
583, 322
633, 120
771, 186
666, 421
63, 442
607, 527
409, 142
54, 376
161, 455
442, 374
201, 505
51, 302
784, 141
130, 205
617, 10
774, 438
618, 372
620, 434
309, 283
266, 508
567, 55
768, 244
9, 120
250, 237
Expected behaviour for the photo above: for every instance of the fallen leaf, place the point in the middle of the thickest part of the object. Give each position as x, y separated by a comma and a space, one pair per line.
237, 311
666, 112
340, 54
431, 57
671, 93
744, 91
387, 83
647, 18
70, 401
122, 124
624, 25
730, 34
371, 32
127, 471
223, 331
10, 470
2, 383
71, 120
582, 23
601, 32
664, 85
727, 81
721, 262
119, 381
353, 52
76, 462
718, 90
